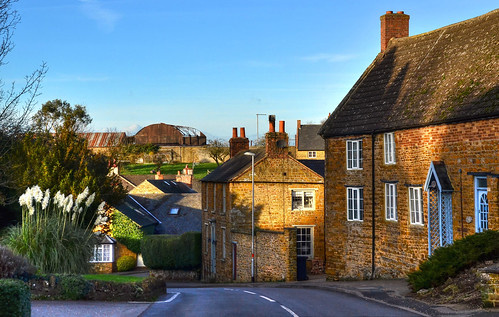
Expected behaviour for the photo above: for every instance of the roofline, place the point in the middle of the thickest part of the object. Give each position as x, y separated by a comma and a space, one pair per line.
469, 119
159, 221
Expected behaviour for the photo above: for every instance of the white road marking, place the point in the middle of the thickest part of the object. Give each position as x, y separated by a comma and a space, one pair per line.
289, 311
170, 299
250, 292
269, 299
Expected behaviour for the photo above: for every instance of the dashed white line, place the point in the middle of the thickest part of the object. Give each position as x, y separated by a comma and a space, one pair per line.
269, 299
289, 311
170, 299
250, 292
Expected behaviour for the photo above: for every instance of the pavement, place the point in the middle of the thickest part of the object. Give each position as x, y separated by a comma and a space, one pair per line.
395, 293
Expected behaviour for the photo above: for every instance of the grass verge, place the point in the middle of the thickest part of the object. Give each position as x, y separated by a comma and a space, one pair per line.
113, 278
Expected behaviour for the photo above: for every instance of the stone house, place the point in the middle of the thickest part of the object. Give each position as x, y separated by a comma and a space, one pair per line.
309, 144
288, 212
412, 158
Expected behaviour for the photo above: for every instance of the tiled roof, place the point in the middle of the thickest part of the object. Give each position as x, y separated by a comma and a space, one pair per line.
188, 218
131, 208
443, 76
170, 186
233, 167
317, 166
103, 139
309, 139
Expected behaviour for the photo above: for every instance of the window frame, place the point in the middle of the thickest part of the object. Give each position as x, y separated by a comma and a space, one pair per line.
312, 154
206, 203
354, 156
389, 148
224, 198
311, 234
416, 217
105, 257
357, 213
224, 253
303, 191
391, 202
214, 198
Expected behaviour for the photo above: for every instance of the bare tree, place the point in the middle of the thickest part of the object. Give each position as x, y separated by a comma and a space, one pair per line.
218, 150
16, 103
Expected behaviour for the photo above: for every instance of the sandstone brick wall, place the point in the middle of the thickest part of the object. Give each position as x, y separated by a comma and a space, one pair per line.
490, 288
466, 149
303, 155
102, 268
275, 178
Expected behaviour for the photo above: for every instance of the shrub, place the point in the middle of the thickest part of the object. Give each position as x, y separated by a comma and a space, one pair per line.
126, 263
167, 252
74, 287
51, 235
15, 298
450, 260
126, 231
14, 266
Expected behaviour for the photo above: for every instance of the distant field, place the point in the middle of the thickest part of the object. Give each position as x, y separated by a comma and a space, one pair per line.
200, 170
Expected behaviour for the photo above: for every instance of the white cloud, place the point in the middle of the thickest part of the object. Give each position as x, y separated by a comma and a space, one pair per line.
105, 18
329, 58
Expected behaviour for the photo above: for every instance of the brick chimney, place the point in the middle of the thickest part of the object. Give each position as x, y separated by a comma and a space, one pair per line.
238, 144
393, 25
276, 143
297, 136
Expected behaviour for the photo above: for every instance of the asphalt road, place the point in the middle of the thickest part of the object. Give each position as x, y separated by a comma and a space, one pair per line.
287, 302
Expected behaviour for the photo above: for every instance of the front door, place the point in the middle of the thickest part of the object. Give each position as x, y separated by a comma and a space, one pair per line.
439, 219
481, 205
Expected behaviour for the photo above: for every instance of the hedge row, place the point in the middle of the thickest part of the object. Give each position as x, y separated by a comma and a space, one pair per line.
169, 252
15, 298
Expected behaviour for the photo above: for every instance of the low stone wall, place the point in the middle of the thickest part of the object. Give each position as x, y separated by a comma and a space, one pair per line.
490, 286
175, 275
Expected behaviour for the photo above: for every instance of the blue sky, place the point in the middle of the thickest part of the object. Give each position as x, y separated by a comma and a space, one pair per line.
212, 65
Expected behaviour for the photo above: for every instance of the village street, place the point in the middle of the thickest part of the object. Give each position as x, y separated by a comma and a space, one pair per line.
267, 302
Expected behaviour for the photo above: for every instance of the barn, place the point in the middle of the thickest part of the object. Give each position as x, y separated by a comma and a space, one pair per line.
165, 134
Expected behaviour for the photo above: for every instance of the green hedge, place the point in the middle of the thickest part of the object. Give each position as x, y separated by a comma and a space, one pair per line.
126, 263
167, 252
74, 287
126, 231
15, 298
450, 260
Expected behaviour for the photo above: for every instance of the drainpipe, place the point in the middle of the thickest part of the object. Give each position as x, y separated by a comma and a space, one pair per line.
461, 194
373, 174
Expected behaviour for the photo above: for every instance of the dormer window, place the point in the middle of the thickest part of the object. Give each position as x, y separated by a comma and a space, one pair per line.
354, 154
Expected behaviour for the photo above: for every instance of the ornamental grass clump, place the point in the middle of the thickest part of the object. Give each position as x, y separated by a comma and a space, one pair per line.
52, 234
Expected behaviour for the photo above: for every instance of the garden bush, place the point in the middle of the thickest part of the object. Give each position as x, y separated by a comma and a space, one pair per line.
167, 252
74, 287
15, 298
450, 260
52, 234
14, 266
126, 232
126, 263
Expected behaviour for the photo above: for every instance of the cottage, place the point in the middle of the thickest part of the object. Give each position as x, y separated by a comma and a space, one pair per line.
412, 150
309, 144
288, 212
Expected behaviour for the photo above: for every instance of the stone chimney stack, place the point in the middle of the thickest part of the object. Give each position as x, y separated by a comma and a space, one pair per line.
393, 25
276, 143
238, 144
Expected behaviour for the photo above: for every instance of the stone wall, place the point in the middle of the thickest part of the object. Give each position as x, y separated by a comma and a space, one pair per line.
489, 280
466, 148
303, 155
175, 275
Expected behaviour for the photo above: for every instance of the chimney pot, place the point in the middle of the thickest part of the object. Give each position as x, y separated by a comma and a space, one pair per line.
281, 126
243, 132
400, 12
234, 132
389, 12
272, 123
